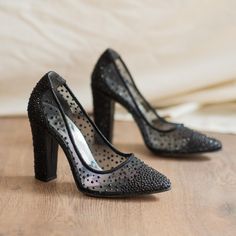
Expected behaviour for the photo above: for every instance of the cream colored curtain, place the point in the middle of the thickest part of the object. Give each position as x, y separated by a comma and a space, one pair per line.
179, 52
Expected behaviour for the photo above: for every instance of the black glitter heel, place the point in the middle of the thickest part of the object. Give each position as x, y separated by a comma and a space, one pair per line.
98, 168
45, 154
111, 80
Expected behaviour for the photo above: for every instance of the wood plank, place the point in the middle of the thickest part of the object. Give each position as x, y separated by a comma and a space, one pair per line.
202, 200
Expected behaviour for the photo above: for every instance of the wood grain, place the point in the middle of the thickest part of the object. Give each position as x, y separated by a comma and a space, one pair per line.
202, 200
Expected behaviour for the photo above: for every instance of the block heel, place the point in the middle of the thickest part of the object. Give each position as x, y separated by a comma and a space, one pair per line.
104, 108
45, 154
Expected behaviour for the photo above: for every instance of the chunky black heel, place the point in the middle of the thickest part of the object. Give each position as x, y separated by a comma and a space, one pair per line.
112, 79
45, 154
104, 108
100, 170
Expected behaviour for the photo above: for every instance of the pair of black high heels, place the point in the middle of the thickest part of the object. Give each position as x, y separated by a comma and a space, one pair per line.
99, 169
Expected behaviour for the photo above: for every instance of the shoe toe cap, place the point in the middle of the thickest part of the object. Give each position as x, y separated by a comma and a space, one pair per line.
148, 180
201, 143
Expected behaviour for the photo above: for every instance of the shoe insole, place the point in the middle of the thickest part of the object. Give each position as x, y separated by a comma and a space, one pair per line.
82, 146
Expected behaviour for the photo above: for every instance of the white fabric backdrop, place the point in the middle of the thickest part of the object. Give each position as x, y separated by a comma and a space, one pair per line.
178, 51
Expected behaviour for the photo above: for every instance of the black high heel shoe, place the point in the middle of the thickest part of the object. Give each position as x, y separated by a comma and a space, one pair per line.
112, 82
56, 117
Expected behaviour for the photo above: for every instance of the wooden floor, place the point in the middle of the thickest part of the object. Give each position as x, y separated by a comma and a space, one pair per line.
202, 200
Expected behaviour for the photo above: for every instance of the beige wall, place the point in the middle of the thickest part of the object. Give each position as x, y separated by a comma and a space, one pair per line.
177, 50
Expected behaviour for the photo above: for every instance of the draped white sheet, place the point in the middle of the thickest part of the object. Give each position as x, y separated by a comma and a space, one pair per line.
178, 51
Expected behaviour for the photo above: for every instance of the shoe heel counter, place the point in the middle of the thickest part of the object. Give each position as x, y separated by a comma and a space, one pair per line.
34, 108
97, 77
45, 85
